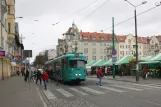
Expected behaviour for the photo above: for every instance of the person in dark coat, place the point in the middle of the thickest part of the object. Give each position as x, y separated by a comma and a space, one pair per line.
27, 75
38, 76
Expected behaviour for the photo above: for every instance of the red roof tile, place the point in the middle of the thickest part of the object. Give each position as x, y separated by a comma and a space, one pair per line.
96, 35
121, 38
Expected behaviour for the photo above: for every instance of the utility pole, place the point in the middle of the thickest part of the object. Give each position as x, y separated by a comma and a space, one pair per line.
113, 49
136, 37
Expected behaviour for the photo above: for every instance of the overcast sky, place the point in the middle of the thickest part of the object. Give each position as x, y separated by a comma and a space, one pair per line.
42, 35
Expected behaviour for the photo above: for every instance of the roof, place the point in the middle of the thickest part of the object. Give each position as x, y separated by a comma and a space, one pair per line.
159, 38
60, 40
96, 35
121, 38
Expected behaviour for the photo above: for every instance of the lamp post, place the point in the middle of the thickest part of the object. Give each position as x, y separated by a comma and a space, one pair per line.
136, 36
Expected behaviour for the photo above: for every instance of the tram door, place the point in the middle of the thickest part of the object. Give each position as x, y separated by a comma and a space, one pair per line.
63, 69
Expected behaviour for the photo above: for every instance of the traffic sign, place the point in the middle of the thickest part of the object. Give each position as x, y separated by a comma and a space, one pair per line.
114, 52
114, 59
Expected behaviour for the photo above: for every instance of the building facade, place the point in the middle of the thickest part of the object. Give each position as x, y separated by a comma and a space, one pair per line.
3, 40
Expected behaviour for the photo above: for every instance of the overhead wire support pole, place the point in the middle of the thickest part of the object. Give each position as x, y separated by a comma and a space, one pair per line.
113, 46
136, 37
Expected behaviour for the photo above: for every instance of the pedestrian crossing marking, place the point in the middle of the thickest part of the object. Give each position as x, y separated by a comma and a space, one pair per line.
143, 85
112, 89
64, 92
49, 94
78, 91
130, 88
92, 90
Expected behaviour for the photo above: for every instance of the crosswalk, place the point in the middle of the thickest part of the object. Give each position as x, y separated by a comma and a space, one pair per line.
94, 90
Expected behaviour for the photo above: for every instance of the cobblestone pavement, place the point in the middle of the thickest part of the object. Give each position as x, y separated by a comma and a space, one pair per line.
75, 103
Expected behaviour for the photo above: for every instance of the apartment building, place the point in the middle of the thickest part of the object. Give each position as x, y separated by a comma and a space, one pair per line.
155, 45
97, 46
3, 40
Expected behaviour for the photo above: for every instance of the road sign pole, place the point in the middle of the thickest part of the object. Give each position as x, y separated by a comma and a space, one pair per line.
113, 47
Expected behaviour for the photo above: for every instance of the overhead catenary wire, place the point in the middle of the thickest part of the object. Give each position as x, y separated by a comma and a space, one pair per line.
95, 10
77, 12
131, 18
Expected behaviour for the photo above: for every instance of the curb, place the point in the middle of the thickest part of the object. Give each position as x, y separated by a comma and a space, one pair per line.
42, 100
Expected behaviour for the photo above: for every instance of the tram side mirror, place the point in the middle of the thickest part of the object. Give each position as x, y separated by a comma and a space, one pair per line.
85, 62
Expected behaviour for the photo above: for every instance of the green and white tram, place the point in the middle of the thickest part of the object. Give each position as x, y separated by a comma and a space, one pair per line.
69, 67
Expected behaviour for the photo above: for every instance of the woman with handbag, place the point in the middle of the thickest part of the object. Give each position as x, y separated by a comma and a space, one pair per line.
99, 76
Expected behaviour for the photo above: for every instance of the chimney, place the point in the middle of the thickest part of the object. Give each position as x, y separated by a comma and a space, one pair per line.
80, 30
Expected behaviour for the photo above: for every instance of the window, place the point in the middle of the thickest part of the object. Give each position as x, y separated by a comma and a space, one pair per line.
129, 40
105, 51
126, 46
94, 43
126, 52
134, 46
121, 45
122, 52
101, 51
86, 50
102, 38
94, 57
77, 64
104, 44
9, 27
101, 57
9, 9
140, 46
93, 38
85, 43
94, 50
85, 37
104, 57
129, 46
140, 52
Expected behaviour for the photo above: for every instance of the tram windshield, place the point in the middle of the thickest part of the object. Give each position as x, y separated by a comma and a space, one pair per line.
77, 64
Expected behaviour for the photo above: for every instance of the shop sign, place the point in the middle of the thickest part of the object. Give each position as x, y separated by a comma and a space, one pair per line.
2, 53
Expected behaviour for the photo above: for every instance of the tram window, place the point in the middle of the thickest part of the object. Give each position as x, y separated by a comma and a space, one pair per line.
77, 64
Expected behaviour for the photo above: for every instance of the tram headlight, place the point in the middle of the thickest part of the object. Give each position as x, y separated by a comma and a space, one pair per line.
76, 74
79, 74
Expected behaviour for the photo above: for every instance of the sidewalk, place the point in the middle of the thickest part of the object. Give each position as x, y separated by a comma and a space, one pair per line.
149, 80
17, 93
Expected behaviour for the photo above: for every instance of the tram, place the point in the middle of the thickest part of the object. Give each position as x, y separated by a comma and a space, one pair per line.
68, 68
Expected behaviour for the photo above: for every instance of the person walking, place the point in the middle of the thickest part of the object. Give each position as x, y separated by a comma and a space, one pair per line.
99, 76
45, 78
27, 75
38, 76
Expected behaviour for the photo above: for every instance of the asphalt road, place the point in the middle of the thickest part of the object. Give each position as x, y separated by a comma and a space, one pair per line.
111, 94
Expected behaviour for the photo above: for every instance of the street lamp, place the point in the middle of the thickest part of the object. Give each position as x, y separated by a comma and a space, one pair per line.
136, 36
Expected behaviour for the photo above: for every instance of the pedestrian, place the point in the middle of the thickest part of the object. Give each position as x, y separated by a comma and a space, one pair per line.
145, 72
45, 78
38, 76
99, 76
27, 75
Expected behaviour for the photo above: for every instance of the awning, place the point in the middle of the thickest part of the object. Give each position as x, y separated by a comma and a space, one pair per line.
90, 62
13, 64
156, 58
149, 62
98, 63
109, 62
147, 58
124, 60
93, 62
